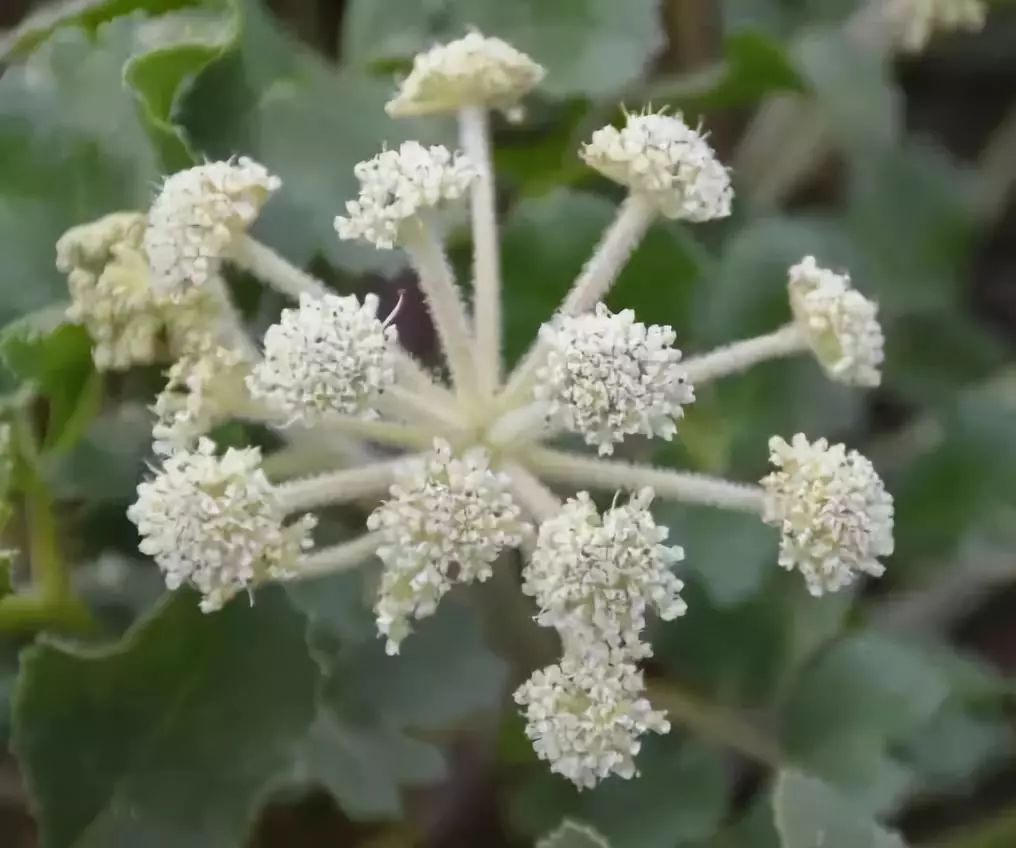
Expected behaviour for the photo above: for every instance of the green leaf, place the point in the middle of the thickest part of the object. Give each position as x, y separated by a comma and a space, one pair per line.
42, 23
176, 48
545, 243
361, 746
55, 358
862, 695
680, 795
171, 737
753, 66
72, 148
589, 47
810, 813
305, 120
573, 835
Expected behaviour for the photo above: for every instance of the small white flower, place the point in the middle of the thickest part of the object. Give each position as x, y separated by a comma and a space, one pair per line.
585, 716
834, 514
608, 376
447, 520
471, 71
332, 354
839, 323
594, 577
112, 296
203, 389
196, 217
398, 185
214, 522
661, 158
915, 22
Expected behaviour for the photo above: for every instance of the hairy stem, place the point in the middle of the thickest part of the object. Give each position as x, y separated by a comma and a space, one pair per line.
520, 425
579, 470
446, 308
474, 133
598, 275
398, 402
338, 558
740, 356
535, 498
269, 266
332, 487
416, 378
382, 432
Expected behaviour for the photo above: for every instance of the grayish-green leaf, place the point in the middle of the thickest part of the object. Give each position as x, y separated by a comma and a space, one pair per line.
572, 834
170, 738
811, 814
589, 47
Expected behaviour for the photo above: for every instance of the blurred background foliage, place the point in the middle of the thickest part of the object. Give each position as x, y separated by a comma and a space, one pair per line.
133, 720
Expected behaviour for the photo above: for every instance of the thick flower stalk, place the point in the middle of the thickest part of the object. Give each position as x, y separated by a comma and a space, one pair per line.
461, 468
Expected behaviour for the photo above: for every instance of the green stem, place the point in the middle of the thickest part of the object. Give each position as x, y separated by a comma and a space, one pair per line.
28, 612
45, 559
714, 722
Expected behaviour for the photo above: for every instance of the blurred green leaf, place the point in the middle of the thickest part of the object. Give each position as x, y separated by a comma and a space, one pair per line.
589, 47
171, 737
859, 697
810, 813
573, 835
680, 795
538, 271
175, 48
72, 148
55, 358
89, 14
752, 67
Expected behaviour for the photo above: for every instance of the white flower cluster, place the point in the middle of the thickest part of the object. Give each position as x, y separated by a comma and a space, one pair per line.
398, 185
586, 715
594, 577
834, 514
112, 296
196, 217
203, 388
471, 71
915, 22
840, 324
661, 158
213, 522
447, 519
332, 355
609, 376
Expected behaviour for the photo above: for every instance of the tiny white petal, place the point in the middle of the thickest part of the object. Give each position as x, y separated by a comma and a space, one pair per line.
915, 22
398, 185
661, 158
214, 523
196, 216
332, 355
594, 577
203, 388
608, 376
840, 324
446, 521
470, 71
112, 296
833, 512
585, 716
